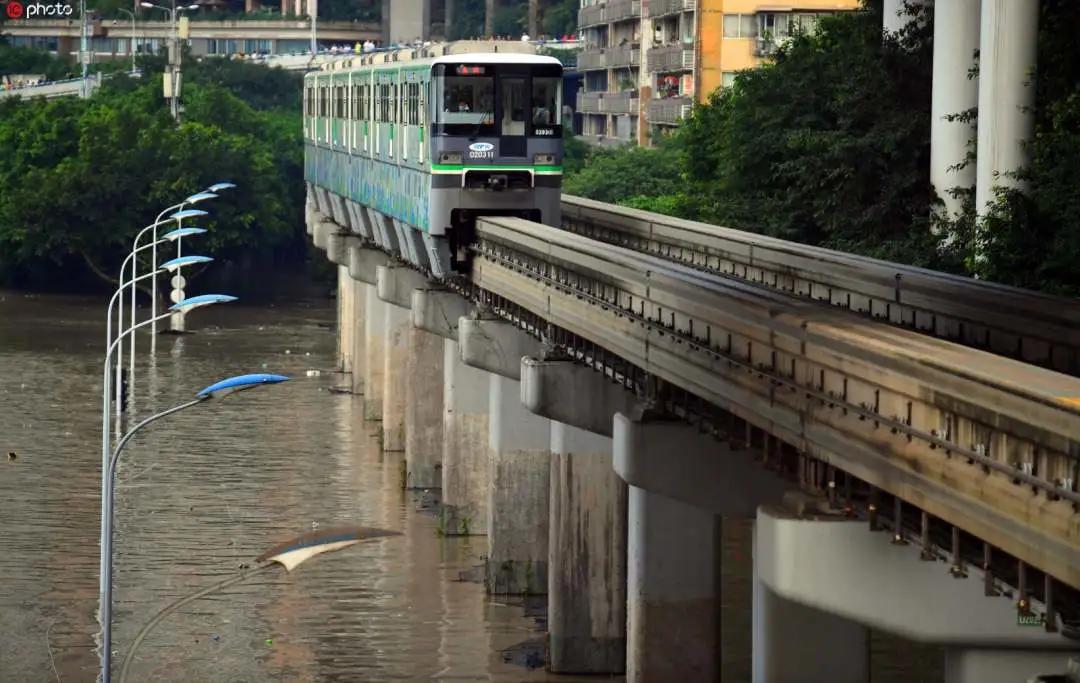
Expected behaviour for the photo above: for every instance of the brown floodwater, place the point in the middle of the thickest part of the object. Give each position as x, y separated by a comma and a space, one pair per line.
205, 490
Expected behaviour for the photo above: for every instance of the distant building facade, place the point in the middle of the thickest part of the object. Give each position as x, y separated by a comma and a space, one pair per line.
645, 62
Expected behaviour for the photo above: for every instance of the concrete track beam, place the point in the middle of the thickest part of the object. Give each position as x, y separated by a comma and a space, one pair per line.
573, 394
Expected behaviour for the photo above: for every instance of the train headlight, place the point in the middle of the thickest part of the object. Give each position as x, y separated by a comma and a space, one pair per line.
449, 157
543, 159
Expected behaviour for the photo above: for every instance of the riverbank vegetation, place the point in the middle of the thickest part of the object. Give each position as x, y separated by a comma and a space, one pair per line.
81, 177
830, 145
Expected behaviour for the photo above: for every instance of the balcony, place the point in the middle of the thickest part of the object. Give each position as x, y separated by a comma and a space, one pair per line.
670, 58
614, 10
669, 111
592, 15
609, 57
659, 8
625, 102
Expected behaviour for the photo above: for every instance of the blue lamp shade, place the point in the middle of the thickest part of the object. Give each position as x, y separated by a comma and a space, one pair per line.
196, 198
240, 383
188, 213
174, 235
218, 187
183, 262
194, 302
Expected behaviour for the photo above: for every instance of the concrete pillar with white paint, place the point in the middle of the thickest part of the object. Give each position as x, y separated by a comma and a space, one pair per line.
519, 476
956, 42
374, 342
1007, 55
465, 446
424, 410
396, 328
587, 555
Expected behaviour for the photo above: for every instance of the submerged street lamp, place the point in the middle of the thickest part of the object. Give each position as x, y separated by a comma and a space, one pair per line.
219, 390
289, 555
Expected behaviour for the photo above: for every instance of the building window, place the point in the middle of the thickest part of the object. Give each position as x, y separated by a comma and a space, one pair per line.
727, 78
739, 26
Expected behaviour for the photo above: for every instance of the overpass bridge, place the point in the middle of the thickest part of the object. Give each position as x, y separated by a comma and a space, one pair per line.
602, 401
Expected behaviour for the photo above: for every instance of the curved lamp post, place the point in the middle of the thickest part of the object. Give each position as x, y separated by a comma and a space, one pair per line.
106, 388
288, 555
209, 193
218, 390
193, 199
171, 236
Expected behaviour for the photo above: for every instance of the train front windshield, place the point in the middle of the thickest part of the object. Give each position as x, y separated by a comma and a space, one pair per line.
498, 100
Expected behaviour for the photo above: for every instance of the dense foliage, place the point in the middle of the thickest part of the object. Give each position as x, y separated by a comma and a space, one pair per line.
557, 18
829, 145
81, 177
21, 60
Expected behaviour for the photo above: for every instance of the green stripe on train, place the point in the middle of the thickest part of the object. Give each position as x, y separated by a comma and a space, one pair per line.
496, 167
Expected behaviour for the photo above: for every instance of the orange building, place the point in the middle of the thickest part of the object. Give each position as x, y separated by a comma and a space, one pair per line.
645, 62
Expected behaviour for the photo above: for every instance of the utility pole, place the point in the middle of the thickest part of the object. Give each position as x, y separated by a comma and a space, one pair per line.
84, 52
314, 6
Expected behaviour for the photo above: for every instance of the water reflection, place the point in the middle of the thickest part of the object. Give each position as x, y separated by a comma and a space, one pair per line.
208, 489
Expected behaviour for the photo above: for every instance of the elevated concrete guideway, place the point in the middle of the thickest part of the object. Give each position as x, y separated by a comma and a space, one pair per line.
610, 351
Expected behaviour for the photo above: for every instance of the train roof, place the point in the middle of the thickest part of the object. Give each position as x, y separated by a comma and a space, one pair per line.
475, 51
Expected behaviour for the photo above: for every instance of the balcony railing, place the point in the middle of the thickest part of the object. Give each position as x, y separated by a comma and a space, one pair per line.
609, 57
669, 111
613, 10
625, 102
658, 8
671, 58
624, 55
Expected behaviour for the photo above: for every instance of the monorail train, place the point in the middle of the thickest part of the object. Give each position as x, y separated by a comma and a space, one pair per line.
408, 147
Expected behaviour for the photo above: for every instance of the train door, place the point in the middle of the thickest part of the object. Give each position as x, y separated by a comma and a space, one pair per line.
514, 104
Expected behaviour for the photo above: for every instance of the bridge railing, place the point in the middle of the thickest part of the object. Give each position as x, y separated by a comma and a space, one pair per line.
1033, 327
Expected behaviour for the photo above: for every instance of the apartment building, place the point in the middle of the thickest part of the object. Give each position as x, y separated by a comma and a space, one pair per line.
645, 62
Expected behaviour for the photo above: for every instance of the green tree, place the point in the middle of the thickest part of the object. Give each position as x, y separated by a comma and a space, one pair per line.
615, 175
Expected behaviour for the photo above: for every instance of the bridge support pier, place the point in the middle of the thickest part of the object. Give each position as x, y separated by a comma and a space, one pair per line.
587, 532
586, 555
520, 462
465, 446
424, 410
346, 317
374, 341
683, 483
395, 361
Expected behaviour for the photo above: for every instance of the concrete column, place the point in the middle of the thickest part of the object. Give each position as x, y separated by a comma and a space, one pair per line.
346, 320
673, 601
396, 327
587, 555
956, 39
465, 446
374, 341
973, 665
1007, 51
424, 410
358, 351
517, 492
793, 642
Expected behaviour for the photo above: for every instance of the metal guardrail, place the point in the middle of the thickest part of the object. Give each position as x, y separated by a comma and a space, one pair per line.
606, 13
1035, 328
609, 57
983, 442
51, 89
